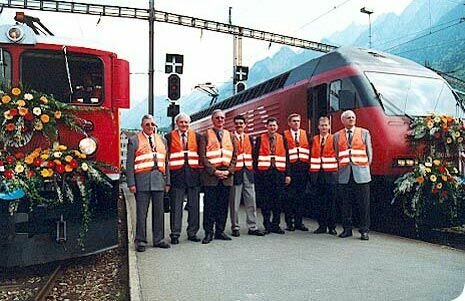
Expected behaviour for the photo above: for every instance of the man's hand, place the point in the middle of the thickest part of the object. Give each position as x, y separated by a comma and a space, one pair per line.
132, 189
287, 180
221, 174
167, 188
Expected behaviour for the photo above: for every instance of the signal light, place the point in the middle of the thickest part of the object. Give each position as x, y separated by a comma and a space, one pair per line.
240, 86
174, 87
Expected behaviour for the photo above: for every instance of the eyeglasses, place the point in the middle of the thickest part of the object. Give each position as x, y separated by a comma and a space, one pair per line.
149, 124
219, 117
239, 123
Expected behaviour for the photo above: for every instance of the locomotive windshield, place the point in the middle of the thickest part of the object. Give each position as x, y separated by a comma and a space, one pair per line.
74, 78
414, 95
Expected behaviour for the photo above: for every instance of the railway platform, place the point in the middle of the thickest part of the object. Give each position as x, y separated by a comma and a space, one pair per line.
295, 266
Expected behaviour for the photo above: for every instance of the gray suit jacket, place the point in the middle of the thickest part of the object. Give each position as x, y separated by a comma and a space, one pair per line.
147, 181
361, 174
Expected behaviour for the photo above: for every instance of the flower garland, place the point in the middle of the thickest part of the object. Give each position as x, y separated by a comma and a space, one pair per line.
435, 182
27, 112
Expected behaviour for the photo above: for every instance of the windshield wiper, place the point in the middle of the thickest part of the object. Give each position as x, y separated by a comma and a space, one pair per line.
383, 98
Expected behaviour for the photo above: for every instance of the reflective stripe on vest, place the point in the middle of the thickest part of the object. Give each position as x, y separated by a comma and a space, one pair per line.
264, 153
219, 154
145, 157
327, 161
178, 154
244, 153
300, 153
357, 154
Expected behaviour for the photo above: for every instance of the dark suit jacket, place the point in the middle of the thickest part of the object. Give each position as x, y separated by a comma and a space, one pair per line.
207, 176
146, 181
239, 174
185, 176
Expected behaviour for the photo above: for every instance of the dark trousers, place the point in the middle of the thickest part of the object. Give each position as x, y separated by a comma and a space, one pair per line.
177, 200
325, 201
142, 206
215, 207
294, 206
271, 185
355, 193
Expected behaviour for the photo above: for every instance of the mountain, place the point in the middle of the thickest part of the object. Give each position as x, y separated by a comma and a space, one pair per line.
426, 32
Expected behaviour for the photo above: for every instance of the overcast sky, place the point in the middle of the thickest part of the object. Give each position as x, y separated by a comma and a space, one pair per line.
208, 55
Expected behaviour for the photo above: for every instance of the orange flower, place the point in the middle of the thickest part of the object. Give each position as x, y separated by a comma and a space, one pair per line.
68, 158
45, 118
68, 168
57, 162
22, 111
6, 99
57, 114
16, 91
10, 127
28, 160
420, 179
20, 103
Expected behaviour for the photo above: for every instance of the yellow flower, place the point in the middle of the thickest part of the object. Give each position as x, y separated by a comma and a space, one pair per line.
29, 159
43, 99
428, 170
6, 99
22, 111
16, 91
83, 156
57, 114
439, 185
433, 178
45, 118
44, 156
457, 134
68, 158
46, 172
68, 168
38, 125
437, 119
430, 124
62, 147
21, 103
437, 162
444, 178
19, 168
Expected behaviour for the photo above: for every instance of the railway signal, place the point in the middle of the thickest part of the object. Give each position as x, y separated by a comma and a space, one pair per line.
174, 87
174, 63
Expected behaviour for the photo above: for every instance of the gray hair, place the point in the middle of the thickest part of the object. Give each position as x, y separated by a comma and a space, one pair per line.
217, 111
181, 115
346, 113
146, 116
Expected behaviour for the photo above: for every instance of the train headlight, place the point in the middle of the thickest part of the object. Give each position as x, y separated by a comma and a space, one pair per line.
88, 146
404, 162
15, 33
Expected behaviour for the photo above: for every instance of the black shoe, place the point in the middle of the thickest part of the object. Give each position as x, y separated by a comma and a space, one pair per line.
301, 227
163, 245
174, 240
236, 233
193, 238
332, 231
267, 231
207, 239
222, 236
278, 230
256, 232
345, 233
320, 230
140, 248
364, 236
290, 228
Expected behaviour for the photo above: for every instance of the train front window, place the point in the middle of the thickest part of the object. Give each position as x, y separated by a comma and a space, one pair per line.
5, 68
71, 78
413, 95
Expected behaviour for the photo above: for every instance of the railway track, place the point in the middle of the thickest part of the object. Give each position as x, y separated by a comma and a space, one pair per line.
48, 286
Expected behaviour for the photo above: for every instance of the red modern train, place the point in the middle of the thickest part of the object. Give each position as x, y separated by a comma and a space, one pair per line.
96, 82
385, 92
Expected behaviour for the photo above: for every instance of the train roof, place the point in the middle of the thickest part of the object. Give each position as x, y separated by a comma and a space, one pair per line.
359, 58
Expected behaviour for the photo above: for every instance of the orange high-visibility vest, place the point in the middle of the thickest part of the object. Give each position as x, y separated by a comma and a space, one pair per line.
144, 160
297, 153
219, 154
264, 153
244, 153
178, 155
325, 160
357, 154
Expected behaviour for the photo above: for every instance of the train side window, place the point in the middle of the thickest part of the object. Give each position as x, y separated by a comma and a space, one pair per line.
334, 89
46, 71
5, 68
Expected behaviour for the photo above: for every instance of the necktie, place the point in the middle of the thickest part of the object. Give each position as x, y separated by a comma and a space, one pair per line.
322, 145
219, 135
296, 140
241, 149
349, 134
152, 146
273, 150
184, 141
